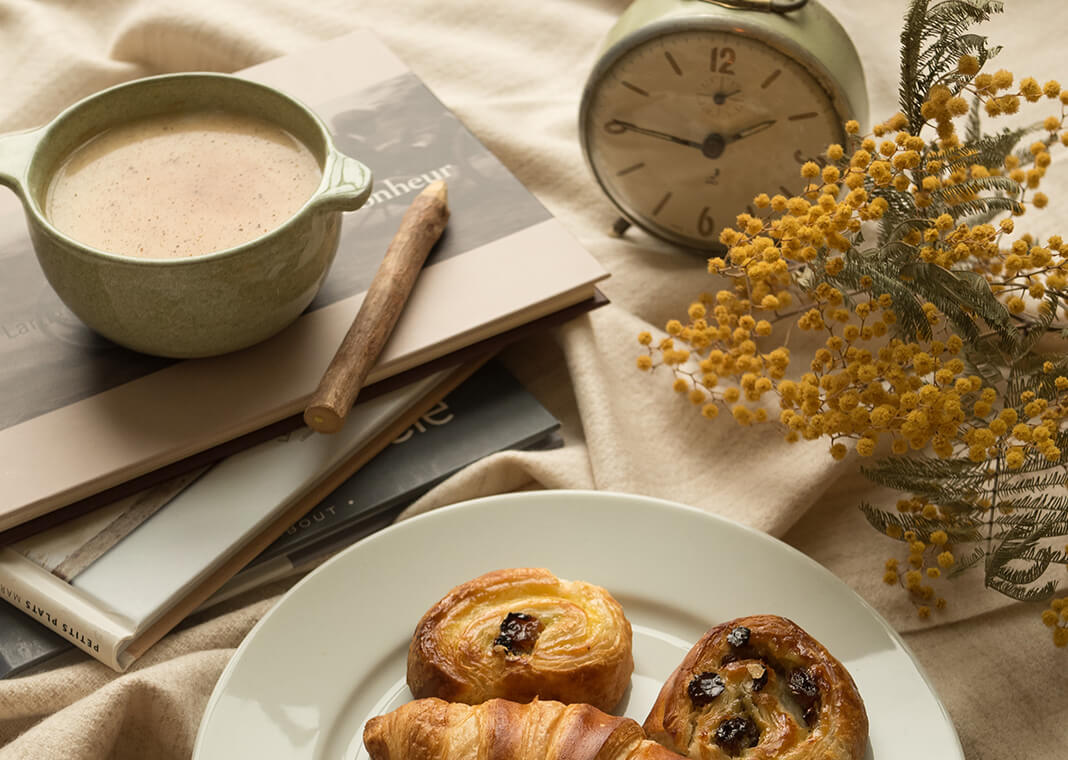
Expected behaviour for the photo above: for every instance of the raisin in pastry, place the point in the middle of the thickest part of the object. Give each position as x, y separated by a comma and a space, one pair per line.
522, 633
760, 687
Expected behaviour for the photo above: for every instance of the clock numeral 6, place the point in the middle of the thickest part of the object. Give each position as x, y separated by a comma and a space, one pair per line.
705, 224
725, 60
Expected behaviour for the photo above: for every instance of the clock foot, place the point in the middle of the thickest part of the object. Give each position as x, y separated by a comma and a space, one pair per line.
620, 226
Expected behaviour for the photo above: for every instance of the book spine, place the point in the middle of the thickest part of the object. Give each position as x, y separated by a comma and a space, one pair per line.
60, 608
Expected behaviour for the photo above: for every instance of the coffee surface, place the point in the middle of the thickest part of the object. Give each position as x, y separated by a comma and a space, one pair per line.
181, 185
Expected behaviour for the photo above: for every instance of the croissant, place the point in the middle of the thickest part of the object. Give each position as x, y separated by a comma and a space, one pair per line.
433, 729
522, 633
760, 687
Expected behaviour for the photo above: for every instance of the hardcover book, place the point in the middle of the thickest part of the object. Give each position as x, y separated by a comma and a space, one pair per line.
487, 413
24, 643
87, 580
80, 416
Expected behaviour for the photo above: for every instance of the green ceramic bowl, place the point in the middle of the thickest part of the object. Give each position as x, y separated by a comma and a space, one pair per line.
201, 305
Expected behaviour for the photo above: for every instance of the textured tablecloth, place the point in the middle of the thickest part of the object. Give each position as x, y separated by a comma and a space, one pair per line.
514, 71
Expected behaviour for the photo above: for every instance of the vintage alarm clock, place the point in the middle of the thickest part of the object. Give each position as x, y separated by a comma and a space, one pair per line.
696, 106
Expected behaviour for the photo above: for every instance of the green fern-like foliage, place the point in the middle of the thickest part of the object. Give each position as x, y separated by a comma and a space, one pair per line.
1011, 522
933, 39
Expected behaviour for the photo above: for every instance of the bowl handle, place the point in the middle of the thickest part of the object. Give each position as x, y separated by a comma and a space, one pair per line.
16, 150
348, 183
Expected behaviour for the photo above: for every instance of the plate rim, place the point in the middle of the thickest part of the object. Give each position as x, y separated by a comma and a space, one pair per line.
658, 502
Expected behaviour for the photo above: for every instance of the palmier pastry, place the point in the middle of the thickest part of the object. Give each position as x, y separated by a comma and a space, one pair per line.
522, 633
760, 687
433, 729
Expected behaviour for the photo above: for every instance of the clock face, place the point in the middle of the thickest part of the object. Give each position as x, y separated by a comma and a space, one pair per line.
686, 128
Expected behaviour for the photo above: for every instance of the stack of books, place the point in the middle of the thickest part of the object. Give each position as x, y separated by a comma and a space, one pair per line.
135, 489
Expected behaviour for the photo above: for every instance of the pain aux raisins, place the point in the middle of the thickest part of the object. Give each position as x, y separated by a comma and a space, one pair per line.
519, 632
737, 734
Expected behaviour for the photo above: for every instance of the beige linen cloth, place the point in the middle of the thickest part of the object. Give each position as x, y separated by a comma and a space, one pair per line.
514, 71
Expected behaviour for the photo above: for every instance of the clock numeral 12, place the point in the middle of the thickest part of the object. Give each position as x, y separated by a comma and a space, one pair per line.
725, 60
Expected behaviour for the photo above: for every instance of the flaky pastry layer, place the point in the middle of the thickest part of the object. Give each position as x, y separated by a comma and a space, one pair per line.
759, 688
521, 633
432, 729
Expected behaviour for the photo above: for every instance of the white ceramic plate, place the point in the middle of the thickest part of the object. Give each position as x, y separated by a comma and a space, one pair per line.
332, 652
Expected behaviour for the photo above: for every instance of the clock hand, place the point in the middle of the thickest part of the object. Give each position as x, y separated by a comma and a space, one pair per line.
751, 130
617, 126
714, 145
